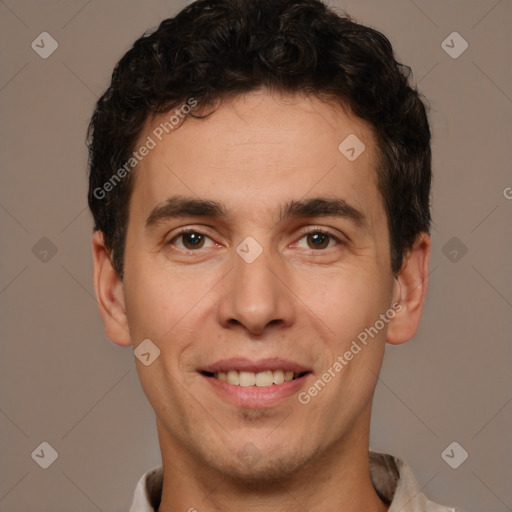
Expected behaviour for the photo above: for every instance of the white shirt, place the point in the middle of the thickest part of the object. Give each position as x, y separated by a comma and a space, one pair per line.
392, 478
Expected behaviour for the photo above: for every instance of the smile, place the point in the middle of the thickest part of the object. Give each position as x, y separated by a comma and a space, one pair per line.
261, 379
255, 384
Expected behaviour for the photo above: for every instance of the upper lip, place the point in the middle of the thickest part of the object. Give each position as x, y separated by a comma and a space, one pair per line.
248, 365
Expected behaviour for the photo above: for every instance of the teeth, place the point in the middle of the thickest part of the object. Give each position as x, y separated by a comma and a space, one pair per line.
264, 379
247, 379
261, 379
233, 377
278, 376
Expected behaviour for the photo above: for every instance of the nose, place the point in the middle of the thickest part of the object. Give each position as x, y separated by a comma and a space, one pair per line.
255, 297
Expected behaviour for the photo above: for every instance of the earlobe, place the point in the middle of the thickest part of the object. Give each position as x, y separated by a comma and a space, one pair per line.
410, 292
109, 293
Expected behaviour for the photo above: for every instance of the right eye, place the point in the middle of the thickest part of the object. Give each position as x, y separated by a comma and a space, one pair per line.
191, 240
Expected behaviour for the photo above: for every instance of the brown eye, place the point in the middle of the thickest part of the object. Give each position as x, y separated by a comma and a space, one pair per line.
192, 240
189, 240
318, 240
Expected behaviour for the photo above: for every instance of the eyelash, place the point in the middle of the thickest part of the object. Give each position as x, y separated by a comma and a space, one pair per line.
309, 231
314, 230
186, 231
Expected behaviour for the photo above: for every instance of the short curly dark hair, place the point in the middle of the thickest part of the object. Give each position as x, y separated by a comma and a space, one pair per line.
217, 49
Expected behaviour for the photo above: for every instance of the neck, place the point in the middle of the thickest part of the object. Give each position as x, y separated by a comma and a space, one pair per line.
338, 476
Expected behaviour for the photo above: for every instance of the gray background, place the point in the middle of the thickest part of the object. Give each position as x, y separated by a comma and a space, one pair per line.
64, 383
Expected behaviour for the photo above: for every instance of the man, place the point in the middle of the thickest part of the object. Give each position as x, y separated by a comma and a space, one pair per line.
259, 180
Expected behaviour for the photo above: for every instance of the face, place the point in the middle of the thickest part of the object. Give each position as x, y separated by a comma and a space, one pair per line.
256, 254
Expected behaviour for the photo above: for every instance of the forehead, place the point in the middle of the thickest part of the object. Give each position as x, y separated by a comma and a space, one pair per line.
261, 149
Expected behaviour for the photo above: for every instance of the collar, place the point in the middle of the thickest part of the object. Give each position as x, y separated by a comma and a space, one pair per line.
392, 478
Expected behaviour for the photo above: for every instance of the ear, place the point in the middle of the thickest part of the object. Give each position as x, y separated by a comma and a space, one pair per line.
109, 293
410, 292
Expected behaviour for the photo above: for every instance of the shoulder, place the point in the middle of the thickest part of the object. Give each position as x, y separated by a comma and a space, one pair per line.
148, 491
407, 496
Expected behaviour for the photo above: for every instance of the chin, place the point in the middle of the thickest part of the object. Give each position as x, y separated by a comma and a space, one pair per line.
255, 470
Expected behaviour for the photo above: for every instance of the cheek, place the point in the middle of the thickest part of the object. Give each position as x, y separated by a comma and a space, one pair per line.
159, 298
347, 300
163, 307
174, 310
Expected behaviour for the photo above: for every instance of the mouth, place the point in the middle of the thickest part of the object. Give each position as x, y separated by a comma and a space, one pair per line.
251, 384
262, 379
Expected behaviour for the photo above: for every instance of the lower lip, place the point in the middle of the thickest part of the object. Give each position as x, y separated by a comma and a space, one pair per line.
255, 397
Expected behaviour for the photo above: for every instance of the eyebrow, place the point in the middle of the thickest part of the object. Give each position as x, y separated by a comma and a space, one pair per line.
185, 207
180, 206
323, 207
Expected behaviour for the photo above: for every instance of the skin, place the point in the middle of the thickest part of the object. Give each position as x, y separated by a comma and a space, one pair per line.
296, 301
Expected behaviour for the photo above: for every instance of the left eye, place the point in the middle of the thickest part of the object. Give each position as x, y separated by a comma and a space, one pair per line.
317, 240
191, 240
